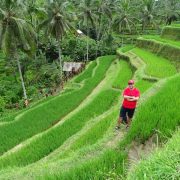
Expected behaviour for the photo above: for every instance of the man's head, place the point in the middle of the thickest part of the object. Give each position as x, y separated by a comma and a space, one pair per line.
131, 84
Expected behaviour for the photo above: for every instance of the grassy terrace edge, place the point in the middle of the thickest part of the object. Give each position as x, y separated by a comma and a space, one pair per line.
162, 49
15, 132
162, 164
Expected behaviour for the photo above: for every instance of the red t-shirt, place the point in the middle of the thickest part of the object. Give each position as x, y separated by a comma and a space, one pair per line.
130, 92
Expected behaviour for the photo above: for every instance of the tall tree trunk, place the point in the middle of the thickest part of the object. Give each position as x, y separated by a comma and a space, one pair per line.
60, 61
87, 39
98, 33
21, 77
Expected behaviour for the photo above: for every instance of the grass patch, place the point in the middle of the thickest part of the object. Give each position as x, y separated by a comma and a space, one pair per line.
87, 73
172, 53
143, 85
107, 166
46, 115
90, 137
163, 40
156, 66
163, 164
124, 75
51, 140
126, 48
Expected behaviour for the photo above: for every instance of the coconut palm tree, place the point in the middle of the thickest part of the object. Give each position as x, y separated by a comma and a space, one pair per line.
149, 12
15, 33
87, 19
126, 17
56, 24
104, 11
170, 11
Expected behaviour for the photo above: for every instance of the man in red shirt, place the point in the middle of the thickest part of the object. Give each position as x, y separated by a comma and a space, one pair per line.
131, 96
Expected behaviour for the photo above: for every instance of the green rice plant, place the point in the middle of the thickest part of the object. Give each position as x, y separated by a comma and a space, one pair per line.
163, 40
165, 50
12, 116
125, 48
124, 75
46, 115
93, 134
90, 137
163, 164
143, 85
55, 137
87, 73
176, 25
171, 32
159, 114
156, 66
107, 166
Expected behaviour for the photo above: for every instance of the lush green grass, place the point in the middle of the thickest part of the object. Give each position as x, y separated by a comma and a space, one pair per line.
87, 73
176, 25
90, 137
12, 115
143, 85
106, 166
93, 134
158, 114
158, 38
51, 140
126, 48
163, 164
124, 75
46, 115
156, 66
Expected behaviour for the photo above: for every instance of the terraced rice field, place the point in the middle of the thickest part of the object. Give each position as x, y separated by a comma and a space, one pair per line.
72, 136
163, 40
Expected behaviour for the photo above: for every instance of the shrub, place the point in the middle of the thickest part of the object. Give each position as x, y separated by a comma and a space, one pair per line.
2, 104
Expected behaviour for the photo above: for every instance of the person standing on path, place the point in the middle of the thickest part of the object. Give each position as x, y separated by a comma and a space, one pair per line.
131, 96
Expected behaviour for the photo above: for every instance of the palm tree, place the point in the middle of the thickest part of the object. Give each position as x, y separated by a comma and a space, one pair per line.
87, 19
56, 24
126, 17
104, 11
15, 34
171, 10
149, 11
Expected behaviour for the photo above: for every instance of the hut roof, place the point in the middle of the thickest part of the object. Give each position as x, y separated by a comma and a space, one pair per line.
68, 66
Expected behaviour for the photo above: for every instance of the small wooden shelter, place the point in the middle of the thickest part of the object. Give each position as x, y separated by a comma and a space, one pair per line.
72, 68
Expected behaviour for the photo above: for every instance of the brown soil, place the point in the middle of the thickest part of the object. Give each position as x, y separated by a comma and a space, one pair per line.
139, 151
